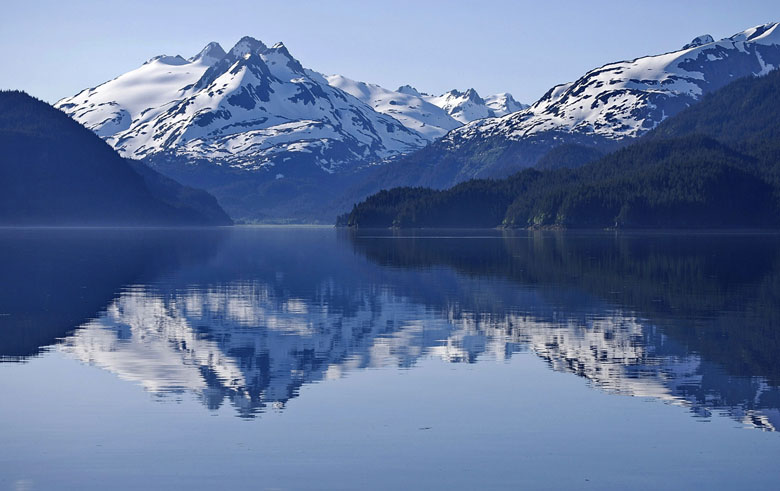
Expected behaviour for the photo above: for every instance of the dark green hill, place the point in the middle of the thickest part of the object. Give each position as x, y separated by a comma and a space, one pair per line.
745, 115
689, 182
714, 165
568, 155
53, 171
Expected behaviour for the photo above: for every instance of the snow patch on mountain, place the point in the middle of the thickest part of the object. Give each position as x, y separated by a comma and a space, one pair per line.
209, 55
628, 98
503, 104
463, 106
248, 108
468, 106
406, 105
431, 116
408, 89
145, 92
699, 41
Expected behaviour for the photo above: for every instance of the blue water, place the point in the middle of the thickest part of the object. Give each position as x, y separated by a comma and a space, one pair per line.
307, 358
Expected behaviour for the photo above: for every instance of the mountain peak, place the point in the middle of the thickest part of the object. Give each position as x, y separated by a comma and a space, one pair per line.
699, 41
409, 90
243, 48
281, 49
469, 94
168, 60
210, 54
472, 95
246, 45
503, 103
766, 31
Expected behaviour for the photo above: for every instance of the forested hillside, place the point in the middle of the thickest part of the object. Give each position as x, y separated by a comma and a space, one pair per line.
714, 165
53, 171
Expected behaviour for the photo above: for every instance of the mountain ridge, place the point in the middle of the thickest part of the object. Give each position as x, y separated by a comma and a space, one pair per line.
289, 126
258, 105
605, 108
256, 123
55, 172
714, 165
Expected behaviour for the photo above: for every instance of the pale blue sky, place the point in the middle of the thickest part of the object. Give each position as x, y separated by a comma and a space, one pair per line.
54, 48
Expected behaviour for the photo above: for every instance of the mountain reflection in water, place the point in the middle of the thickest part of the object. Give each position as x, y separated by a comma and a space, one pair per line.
248, 316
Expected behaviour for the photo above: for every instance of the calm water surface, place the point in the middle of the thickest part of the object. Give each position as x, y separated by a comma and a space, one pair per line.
315, 358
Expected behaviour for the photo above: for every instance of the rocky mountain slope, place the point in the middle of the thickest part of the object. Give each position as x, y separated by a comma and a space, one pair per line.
312, 143
716, 164
431, 116
254, 107
260, 131
410, 108
257, 107
604, 109
469, 106
628, 98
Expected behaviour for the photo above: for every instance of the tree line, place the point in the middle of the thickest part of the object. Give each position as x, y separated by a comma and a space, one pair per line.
714, 165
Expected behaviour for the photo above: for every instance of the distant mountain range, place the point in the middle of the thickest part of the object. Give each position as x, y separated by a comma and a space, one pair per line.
53, 171
603, 110
263, 133
431, 116
716, 164
275, 141
256, 107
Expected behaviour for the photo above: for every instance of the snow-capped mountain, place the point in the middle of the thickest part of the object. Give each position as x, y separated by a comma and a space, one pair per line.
209, 55
410, 108
503, 104
628, 98
250, 108
603, 110
256, 107
469, 106
431, 116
